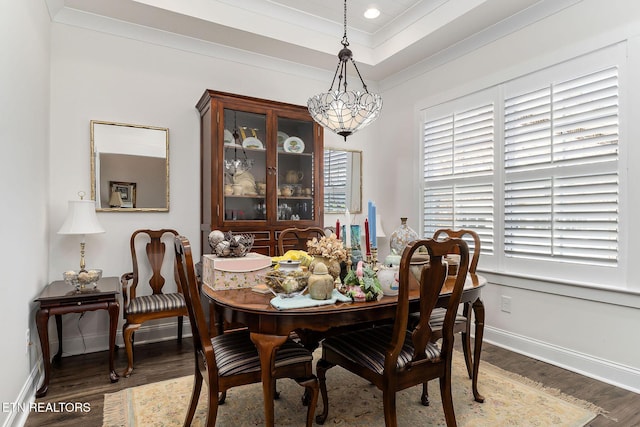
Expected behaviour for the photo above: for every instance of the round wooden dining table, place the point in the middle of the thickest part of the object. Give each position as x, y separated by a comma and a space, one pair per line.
270, 327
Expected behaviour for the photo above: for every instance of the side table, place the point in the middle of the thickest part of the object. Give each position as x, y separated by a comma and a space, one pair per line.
59, 298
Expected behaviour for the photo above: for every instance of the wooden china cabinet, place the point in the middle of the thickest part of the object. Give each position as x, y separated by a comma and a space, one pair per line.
261, 168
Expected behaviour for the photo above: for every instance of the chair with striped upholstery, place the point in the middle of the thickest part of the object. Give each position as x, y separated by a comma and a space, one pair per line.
463, 321
154, 302
395, 357
231, 359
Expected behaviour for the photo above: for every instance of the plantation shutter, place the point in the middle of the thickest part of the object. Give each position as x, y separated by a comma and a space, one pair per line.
561, 171
458, 160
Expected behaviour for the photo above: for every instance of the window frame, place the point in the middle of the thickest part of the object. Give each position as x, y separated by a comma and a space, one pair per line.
554, 271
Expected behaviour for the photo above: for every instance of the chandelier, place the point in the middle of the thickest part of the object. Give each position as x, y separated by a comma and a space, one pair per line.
341, 110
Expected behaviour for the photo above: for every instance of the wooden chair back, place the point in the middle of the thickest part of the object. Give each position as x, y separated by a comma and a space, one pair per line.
191, 290
462, 234
155, 251
296, 238
432, 279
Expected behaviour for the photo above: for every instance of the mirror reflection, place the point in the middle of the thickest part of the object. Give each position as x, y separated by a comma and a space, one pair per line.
129, 167
342, 180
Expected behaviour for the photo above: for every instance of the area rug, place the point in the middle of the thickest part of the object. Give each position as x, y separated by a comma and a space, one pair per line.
510, 400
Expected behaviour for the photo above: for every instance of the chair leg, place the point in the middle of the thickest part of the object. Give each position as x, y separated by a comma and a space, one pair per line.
195, 394
321, 369
447, 399
180, 321
311, 390
222, 397
425, 394
212, 413
466, 340
389, 405
127, 335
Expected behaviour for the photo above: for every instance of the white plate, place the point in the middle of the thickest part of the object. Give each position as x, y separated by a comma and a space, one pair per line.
253, 143
293, 144
282, 137
232, 145
228, 137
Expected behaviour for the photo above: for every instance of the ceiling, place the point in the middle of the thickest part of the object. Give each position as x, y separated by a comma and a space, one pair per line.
309, 32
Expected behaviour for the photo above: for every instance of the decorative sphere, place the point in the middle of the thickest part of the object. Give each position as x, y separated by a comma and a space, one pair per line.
215, 237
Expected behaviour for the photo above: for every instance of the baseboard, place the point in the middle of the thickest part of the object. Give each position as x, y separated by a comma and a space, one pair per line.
602, 370
19, 410
148, 333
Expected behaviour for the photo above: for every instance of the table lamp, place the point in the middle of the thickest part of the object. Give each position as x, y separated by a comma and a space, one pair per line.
81, 219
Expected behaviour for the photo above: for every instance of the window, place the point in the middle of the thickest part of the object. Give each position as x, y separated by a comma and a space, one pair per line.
560, 164
458, 161
335, 181
532, 165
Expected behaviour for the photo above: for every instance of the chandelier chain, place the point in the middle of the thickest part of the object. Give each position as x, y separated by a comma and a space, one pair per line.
345, 42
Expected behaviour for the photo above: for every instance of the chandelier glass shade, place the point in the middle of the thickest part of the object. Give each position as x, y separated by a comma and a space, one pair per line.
341, 110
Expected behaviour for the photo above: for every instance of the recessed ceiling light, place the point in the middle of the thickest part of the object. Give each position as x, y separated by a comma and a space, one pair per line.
371, 13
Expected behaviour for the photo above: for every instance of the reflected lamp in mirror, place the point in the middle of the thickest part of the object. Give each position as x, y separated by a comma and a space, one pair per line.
81, 220
136, 157
115, 201
342, 180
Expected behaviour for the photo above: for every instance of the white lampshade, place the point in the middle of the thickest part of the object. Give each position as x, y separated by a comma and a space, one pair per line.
81, 218
379, 230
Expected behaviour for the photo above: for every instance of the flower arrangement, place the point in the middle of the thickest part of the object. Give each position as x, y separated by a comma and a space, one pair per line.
362, 284
328, 247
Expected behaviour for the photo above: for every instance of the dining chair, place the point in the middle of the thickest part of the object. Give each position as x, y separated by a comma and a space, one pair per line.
296, 238
231, 359
395, 357
152, 302
463, 321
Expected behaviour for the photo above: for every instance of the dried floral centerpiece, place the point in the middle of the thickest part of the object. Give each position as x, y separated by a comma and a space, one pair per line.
330, 251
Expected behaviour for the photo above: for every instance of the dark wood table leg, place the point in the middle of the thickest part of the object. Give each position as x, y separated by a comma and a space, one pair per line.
58, 357
42, 322
266, 345
114, 311
478, 311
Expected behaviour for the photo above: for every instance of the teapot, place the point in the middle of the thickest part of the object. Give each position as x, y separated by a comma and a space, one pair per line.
389, 279
293, 177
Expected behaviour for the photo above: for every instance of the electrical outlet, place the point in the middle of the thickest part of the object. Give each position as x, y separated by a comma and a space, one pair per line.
505, 304
28, 338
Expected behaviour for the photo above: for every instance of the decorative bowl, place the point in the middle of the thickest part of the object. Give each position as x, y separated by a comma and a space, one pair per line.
229, 244
84, 279
287, 284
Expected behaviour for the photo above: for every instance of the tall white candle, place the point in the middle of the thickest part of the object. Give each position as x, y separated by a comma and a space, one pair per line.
347, 229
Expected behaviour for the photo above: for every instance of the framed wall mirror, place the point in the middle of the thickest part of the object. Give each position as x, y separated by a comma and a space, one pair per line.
342, 180
129, 167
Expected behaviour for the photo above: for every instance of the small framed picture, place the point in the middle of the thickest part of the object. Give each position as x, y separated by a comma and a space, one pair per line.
127, 191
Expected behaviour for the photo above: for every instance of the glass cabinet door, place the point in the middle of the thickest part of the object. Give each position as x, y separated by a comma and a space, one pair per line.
295, 170
244, 166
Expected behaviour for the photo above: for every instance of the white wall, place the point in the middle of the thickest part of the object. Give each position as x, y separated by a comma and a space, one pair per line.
588, 330
24, 135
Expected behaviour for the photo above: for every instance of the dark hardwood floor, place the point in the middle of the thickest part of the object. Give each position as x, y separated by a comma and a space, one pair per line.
85, 378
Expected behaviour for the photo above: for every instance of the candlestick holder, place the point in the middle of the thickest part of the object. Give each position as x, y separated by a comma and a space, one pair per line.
374, 257
349, 262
